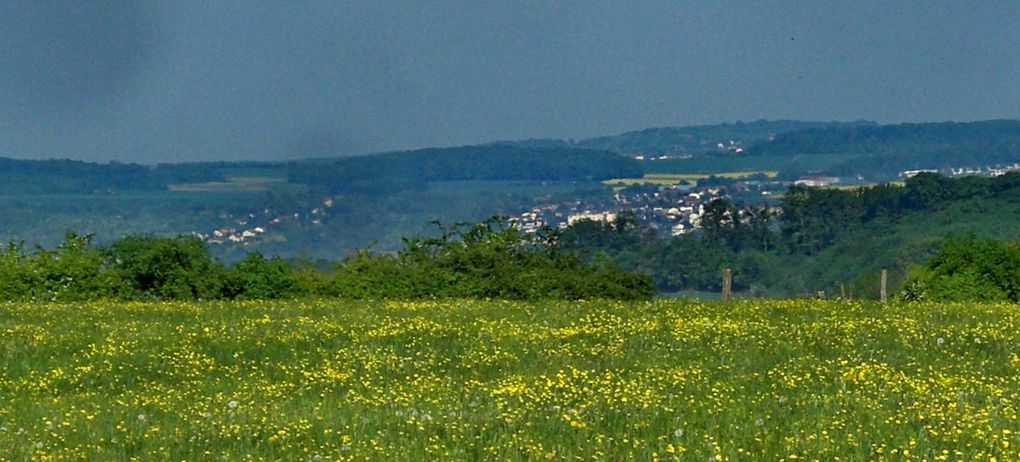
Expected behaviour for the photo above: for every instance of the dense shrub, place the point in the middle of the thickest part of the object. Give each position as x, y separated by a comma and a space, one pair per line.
71, 272
167, 268
967, 268
256, 277
487, 260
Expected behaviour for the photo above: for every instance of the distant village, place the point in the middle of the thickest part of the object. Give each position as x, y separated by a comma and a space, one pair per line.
258, 223
672, 209
677, 209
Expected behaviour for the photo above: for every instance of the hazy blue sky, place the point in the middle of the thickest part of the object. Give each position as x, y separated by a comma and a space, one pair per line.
182, 81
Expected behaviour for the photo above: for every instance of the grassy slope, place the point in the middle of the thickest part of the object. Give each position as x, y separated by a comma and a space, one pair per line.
464, 380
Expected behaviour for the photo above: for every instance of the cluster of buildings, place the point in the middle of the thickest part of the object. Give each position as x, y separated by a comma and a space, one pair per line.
674, 210
256, 224
997, 170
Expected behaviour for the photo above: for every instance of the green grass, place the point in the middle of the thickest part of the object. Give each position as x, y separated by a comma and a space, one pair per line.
470, 380
662, 179
247, 183
715, 164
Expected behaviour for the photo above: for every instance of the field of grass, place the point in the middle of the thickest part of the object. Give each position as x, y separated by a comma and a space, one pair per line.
469, 380
248, 183
714, 164
688, 178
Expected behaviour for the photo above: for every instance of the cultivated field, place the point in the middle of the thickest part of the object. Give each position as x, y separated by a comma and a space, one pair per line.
664, 179
469, 380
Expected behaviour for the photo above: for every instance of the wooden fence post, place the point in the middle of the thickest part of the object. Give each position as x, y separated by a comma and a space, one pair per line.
884, 294
727, 284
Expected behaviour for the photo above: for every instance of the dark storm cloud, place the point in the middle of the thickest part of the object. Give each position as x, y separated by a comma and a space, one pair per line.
70, 58
269, 80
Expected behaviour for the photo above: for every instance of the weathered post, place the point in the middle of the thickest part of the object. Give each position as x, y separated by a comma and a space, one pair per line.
727, 283
884, 294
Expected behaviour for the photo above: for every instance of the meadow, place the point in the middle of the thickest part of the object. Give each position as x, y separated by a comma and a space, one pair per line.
665, 179
487, 380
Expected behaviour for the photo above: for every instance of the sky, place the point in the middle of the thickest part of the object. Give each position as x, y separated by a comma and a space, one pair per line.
149, 82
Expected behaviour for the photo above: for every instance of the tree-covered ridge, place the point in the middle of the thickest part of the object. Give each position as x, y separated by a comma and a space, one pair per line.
883, 139
701, 139
399, 170
876, 151
880, 152
62, 176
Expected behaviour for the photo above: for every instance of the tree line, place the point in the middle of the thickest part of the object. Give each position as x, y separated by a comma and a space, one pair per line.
488, 260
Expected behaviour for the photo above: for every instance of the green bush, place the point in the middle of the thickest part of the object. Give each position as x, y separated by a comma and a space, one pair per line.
16, 283
967, 268
255, 277
488, 260
74, 271
167, 268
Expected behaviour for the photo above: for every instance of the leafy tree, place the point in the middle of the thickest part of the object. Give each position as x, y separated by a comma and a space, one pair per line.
167, 268
814, 217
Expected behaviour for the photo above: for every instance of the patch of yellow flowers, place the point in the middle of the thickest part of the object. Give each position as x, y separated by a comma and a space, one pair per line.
323, 380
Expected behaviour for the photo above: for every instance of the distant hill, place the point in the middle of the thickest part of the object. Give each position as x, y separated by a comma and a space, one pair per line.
408, 169
62, 176
387, 196
841, 148
690, 140
881, 151
703, 139
880, 139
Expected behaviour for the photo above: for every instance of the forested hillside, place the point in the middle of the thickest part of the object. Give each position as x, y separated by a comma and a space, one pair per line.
26, 177
704, 139
878, 139
882, 150
384, 173
816, 239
